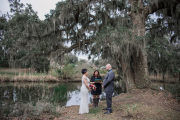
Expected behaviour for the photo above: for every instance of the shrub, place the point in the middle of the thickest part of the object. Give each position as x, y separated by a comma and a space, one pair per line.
175, 90
67, 71
41, 64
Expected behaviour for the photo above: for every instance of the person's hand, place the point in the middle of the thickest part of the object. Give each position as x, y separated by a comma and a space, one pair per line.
102, 86
90, 89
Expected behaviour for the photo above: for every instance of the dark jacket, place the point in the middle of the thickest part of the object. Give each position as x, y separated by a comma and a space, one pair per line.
98, 86
108, 82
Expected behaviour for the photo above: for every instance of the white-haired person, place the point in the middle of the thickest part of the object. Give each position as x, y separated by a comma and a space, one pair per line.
108, 85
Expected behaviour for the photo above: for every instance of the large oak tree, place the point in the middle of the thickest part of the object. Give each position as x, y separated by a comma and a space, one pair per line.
87, 24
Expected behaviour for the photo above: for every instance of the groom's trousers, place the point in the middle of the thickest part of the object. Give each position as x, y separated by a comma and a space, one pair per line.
109, 99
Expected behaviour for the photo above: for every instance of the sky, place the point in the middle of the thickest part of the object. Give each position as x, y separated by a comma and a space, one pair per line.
41, 6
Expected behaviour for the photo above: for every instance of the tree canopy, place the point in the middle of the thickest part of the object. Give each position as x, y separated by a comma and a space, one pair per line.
120, 29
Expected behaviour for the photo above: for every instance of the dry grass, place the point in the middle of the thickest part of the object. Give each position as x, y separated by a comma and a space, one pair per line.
27, 75
24, 75
168, 78
24, 78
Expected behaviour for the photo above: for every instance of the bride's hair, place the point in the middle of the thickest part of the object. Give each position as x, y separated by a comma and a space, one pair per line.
84, 71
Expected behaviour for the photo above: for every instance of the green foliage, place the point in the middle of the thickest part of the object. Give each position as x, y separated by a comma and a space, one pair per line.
131, 110
60, 94
97, 62
175, 90
4, 63
70, 59
3, 56
41, 64
67, 71
12, 27
60, 72
94, 110
3, 22
20, 54
102, 71
113, 31
15, 5
163, 56
81, 61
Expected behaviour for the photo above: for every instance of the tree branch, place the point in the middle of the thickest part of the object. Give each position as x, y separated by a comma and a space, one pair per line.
64, 49
75, 46
161, 4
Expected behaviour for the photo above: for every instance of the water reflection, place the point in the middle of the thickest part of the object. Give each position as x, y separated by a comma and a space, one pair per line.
13, 94
162, 86
158, 85
76, 95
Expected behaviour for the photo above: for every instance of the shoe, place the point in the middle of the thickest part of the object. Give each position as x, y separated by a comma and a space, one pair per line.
107, 112
104, 109
94, 103
97, 101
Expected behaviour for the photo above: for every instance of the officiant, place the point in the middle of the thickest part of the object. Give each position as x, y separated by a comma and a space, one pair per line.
96, 80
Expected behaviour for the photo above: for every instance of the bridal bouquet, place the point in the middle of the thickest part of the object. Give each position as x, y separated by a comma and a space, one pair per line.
92, 87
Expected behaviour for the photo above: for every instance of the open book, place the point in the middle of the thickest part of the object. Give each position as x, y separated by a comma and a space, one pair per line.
98, 80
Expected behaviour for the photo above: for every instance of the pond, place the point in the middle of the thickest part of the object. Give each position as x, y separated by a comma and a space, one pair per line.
160, 85
15, 98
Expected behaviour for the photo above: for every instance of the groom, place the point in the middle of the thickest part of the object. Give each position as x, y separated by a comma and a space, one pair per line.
108, 85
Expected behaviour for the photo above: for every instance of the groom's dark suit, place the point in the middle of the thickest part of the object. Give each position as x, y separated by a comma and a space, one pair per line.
108, 84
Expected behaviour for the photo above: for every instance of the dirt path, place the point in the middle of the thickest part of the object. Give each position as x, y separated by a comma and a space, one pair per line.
139, 104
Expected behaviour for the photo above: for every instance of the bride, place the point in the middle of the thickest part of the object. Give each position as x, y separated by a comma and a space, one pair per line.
84, 107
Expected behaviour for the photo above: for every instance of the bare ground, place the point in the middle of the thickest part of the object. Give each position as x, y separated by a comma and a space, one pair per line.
138, 104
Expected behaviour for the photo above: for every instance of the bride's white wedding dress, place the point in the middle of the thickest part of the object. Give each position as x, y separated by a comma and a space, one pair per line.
84, 107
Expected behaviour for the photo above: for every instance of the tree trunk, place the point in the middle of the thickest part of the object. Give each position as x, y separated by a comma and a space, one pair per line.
128, 75
179, 77
163, 82
139, 75
140, 70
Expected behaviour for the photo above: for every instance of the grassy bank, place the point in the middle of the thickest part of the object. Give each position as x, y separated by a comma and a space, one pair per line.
47, 78
167, 78
28, 75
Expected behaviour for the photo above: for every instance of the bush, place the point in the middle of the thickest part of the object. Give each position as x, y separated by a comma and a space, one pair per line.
67, 71
97, 63
4, 63
175, 90
102, 71
41, 64
81, 61
70, 59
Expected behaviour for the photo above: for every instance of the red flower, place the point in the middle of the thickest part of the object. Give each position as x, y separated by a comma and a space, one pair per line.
92, 87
